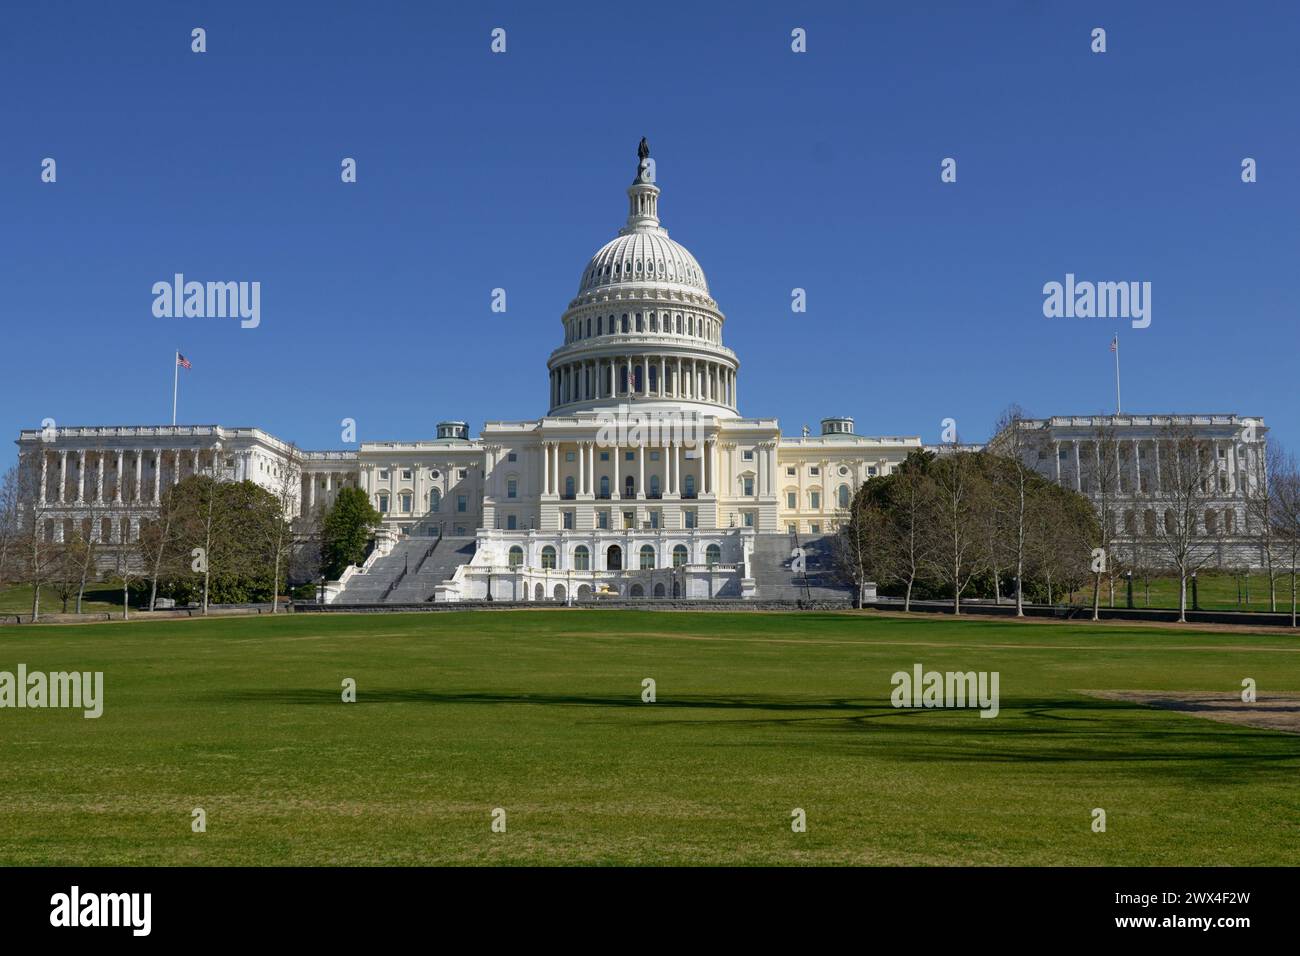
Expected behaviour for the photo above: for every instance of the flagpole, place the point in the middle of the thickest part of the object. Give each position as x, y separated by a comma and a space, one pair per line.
1117, 404
176, 381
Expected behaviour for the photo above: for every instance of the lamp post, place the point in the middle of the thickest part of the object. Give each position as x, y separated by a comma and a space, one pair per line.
1129, 577
1196, 602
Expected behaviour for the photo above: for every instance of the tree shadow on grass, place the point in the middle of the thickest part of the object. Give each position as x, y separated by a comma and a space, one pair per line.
1065, 730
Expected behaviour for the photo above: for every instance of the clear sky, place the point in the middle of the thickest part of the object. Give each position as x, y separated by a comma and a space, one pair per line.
779, 170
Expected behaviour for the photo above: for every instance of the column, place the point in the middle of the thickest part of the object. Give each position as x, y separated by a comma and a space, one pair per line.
677, 381
1232, 466
117, 492
663, 385
138, 496
582, 468
546, 468
617, 491
157, 475
1137, 466
81, 475
640, 462
1078, 468
706, 466
63, 476
1159, 486
176, 467
195, 468
44, 472
591, 467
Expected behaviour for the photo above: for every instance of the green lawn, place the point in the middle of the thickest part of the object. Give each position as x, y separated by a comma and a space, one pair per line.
17, 599
1216, 592
539, 712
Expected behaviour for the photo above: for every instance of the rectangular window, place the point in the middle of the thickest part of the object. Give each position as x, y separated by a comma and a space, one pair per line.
749, 519
747, 455
654, 519
602, 520
816, 499
568, 520
629, 520
570, 456
792, 528
791, 501
871, 469
654, 456
512, 488
406, 503
383, 474
749, 486
689, 514
629, 456
406, 474
462, 474
604, 456
814, 471
511, 523
790, 472
461, 503
816, 528
512, 457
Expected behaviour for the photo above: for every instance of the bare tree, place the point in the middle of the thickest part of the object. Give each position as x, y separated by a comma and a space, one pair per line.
1012, 496
1284, 486
1103, 482
40, 552
288, 493
1260, 514
955, 520
1189, 483
908, 546
10, 522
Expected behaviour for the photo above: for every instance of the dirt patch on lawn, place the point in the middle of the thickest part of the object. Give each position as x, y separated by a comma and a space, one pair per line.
1268, 712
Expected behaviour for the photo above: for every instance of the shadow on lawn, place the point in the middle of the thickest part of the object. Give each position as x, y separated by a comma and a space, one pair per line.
1027, 731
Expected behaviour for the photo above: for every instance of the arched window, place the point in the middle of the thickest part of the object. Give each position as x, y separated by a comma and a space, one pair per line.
581, 558
629, 487
844, 496
614, 558
435, 499
1130, 522
568, 487
689, 486
516, 557
654, 378
548, 558
622, 378
712, 555
647, 557
604, 486
654, 486
679, 555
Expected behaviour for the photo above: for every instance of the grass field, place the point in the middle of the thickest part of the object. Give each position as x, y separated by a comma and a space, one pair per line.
540, 713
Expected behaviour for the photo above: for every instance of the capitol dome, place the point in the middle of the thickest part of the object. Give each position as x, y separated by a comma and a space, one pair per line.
643, 255
643, 328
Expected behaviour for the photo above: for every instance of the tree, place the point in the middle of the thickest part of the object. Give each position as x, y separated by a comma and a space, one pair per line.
10, 522
1100, 536
1284, 486
1012, 497
41, 554
288, 491
956, 515
1260, 514
859, 544
908, 495
1189, 482
345, 531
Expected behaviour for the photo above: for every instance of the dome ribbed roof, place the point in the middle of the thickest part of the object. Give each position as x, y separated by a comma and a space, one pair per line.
643, 258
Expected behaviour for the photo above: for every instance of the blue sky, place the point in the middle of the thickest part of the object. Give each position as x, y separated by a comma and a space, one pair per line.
779, 170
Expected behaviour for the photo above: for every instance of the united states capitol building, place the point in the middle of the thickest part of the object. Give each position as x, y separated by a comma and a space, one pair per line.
642, 479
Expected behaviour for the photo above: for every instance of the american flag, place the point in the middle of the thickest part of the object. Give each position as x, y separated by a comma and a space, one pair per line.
182, 361
1114, 345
